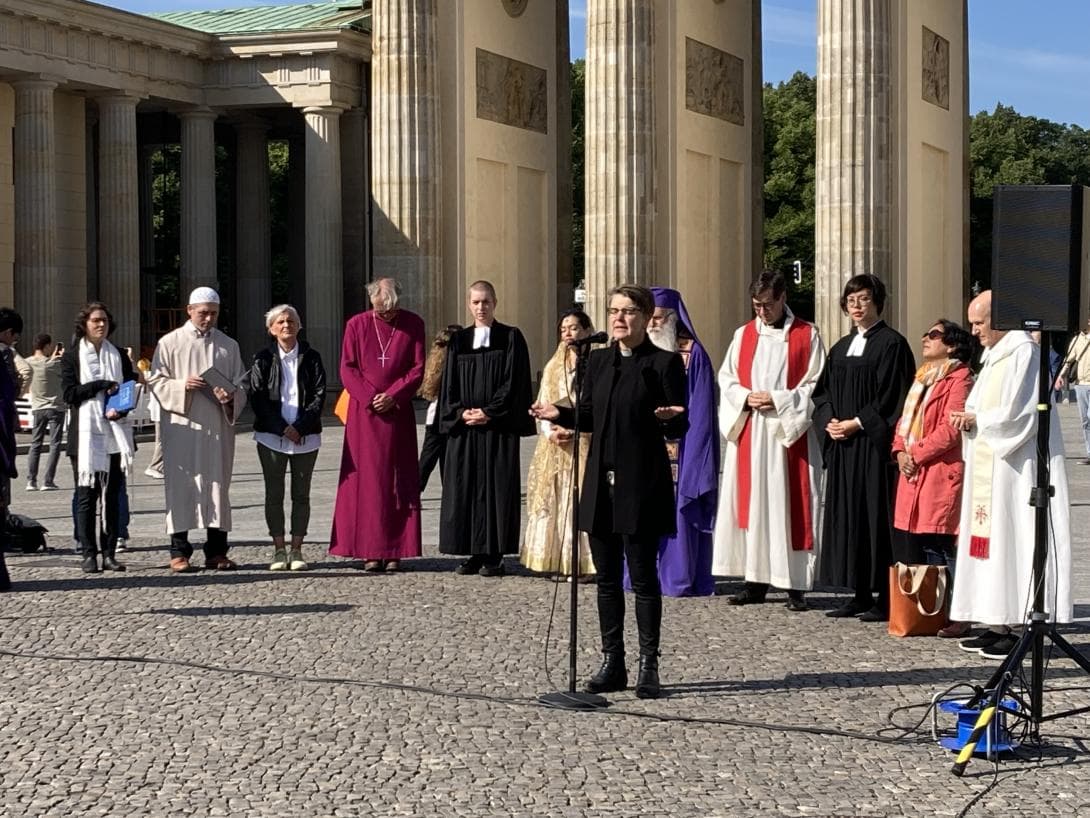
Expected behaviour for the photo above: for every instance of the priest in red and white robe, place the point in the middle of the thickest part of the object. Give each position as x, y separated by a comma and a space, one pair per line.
768, 524
996, 535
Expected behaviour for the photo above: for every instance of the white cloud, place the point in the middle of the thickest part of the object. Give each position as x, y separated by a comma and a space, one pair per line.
1031, 59
788, 26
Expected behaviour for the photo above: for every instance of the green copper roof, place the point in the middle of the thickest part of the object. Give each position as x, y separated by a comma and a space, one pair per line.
262, 19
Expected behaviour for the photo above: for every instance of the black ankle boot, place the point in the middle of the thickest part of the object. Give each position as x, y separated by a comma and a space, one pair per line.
109, 563
647, 682
611, 676
90, 564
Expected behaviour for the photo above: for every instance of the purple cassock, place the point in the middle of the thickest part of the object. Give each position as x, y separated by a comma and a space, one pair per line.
685, 558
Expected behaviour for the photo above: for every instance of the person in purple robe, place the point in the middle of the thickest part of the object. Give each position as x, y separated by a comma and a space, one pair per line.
685, 558
11, 326
377, 513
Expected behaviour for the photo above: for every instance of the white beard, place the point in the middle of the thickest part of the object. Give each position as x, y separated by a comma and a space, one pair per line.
665, 337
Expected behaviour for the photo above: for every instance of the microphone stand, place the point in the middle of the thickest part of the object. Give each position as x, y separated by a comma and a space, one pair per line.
572, 699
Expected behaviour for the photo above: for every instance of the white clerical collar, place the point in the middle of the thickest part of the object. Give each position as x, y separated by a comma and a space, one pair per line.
481, 337
626, 352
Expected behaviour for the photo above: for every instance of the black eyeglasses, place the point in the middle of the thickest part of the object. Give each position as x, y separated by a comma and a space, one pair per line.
934, 335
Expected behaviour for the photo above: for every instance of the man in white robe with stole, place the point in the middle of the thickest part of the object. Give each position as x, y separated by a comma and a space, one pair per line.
195, 374
996, 536
769, 519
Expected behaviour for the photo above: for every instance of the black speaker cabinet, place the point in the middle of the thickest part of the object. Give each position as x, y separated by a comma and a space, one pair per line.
1040, 243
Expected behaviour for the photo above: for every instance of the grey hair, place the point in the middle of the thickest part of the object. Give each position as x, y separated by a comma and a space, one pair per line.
279, 310
394, 292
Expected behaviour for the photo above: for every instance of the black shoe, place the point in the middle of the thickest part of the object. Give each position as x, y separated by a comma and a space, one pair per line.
849, 608
647, 682
796, 601
746, 597
470, 566
611, 676
875, 614
110, 564
492, 570
90, 565
978, 643
1000, 648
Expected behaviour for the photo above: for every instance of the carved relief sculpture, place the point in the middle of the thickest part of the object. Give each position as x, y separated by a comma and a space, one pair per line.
512, 92
714, 82
936, 69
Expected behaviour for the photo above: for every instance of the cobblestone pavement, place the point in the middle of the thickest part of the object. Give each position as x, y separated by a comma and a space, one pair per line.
339, 693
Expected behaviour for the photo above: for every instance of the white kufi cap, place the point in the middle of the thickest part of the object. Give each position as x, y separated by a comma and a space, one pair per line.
204, 295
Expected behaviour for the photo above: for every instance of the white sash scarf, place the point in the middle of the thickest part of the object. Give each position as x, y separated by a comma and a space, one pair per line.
983, 460
99, 437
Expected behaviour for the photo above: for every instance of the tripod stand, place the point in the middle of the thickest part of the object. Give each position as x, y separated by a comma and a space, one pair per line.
1039, 628
572, 699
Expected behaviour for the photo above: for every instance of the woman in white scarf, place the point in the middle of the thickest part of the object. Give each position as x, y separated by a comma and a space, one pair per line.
99, 440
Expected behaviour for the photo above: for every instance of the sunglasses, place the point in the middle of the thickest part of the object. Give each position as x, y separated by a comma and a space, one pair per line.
934, 335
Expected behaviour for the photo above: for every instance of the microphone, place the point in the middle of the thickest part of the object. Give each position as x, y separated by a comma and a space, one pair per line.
597, 338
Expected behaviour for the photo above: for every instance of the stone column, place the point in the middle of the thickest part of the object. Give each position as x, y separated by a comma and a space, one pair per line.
325, 286
253, 279
119, 215
405, 148
354, 195
620, 155
198, 239
854, 142
36, 282
297, 214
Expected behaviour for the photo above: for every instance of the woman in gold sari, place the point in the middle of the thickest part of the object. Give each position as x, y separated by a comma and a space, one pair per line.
546, 541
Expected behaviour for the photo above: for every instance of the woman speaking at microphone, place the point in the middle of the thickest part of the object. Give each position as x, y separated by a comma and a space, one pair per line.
632, 401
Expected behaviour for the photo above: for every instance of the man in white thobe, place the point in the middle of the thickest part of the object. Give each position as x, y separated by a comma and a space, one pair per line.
193, 377
996, 535
769, 518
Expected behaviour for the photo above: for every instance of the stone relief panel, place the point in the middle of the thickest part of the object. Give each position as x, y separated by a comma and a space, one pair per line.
512, 92
936, 69
714, 82
514, 7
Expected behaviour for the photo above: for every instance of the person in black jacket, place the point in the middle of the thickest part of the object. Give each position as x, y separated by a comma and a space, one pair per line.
286, 388
100, 443
633, 399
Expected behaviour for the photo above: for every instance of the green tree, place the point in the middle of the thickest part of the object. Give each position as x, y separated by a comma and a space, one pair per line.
789, 159
578, 84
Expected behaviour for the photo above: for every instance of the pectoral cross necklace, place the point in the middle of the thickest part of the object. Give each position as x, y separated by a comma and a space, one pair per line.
383, 357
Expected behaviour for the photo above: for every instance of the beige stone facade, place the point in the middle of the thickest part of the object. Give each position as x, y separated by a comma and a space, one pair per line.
892, 157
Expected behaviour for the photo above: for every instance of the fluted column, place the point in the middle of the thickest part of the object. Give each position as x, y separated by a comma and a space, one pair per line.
253, 280
854, 144
405, 163
36, 275
354, 194
325, 286
198, 239
620, 156
119, 215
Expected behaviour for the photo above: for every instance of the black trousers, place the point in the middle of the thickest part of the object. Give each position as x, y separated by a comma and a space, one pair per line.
609, 553
431, 454
106, 488
214, 546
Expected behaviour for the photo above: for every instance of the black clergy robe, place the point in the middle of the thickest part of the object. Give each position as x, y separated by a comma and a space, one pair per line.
860, 474
482, 497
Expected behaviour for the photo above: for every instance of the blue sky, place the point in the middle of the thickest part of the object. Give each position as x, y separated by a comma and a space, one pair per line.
1031, 55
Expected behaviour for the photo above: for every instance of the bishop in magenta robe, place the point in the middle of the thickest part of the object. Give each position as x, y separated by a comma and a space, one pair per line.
377, 513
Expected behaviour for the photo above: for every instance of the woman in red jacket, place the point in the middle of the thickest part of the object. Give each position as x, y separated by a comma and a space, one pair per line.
928, 453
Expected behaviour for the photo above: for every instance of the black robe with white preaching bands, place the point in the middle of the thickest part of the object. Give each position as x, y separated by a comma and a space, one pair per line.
481, 508
860, 475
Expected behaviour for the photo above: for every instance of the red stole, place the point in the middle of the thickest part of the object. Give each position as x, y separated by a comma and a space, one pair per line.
798, 455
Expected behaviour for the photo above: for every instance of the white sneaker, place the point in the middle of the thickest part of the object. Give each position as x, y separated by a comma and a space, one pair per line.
31, 486
122, 544
154, 474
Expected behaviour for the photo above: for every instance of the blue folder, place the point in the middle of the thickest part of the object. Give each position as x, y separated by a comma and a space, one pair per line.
123, 400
